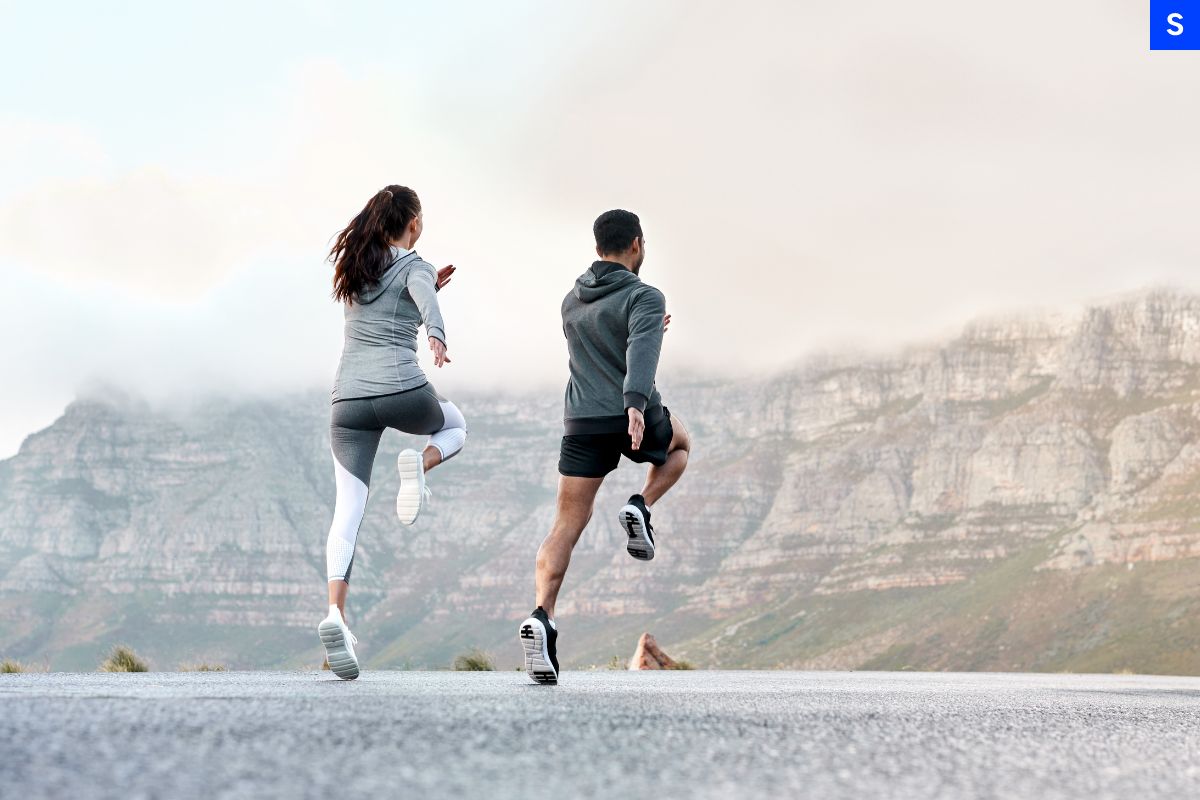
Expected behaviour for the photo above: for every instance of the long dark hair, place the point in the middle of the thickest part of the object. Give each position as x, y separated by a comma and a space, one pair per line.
361, 253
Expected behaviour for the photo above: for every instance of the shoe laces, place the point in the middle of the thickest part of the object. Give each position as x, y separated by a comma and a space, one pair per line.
349, 633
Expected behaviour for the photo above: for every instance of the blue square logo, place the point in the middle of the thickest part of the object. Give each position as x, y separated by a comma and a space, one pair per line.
1175, 24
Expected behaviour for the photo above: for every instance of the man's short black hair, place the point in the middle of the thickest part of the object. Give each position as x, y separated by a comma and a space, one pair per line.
615, 230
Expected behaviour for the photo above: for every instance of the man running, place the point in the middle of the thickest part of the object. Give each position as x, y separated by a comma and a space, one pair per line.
614, 324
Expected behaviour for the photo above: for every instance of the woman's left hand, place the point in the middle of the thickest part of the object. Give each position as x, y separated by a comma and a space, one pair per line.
439, 351
444, 274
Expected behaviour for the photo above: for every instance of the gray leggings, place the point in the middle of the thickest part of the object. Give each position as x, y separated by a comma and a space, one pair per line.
356, 427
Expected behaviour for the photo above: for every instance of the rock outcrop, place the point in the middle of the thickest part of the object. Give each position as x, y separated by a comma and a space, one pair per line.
842, 513
649, 655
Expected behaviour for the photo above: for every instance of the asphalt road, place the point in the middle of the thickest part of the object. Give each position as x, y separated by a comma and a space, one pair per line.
599, 734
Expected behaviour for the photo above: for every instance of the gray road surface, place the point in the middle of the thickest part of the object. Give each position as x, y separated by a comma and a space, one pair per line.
600, 734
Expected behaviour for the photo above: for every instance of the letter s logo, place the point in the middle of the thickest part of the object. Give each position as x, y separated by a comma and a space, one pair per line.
1176, 23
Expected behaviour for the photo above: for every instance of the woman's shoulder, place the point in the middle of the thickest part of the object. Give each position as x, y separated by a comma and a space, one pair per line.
419, 264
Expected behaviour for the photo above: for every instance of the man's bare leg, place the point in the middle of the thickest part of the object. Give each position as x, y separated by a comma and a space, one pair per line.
576, 498
660, 479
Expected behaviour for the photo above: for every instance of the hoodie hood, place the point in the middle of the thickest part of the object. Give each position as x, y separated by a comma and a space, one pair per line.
602, 279
400, 262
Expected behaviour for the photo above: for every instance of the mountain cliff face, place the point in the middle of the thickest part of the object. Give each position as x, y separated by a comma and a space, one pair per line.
1023, 497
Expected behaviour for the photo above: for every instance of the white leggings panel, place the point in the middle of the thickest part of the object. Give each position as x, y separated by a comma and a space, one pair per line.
348, 513
351, 501
453, 435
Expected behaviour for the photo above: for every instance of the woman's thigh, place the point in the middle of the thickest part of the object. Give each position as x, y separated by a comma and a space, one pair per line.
354, 437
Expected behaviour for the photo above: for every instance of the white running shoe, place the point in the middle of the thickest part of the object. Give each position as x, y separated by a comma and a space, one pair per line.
412, 486
339, 645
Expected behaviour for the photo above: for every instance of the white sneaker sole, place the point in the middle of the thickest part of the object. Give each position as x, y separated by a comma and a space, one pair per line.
639, 545
537, 657
342, 661
412, 486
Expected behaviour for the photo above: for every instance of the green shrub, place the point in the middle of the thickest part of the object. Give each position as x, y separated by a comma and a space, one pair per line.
8, 667
683, 665
203, 668
616, 662
474, 660
122, 659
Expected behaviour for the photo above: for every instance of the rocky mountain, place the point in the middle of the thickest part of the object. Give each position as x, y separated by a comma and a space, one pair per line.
1023, 497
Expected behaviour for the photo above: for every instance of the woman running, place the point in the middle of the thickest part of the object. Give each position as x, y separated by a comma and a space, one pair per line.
388, 292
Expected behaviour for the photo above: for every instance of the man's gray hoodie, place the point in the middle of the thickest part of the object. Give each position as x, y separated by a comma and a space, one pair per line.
614, 328
379, 355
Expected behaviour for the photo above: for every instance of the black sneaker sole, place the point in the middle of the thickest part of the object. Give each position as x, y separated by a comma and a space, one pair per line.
639, 545
537, 659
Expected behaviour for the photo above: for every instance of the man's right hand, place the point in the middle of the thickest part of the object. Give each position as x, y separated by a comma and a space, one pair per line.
637, 427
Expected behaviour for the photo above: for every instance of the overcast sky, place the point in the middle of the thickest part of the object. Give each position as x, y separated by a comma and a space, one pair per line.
809, 176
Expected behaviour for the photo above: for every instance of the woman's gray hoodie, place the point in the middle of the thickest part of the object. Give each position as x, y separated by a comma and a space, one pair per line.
614, 328
380, 351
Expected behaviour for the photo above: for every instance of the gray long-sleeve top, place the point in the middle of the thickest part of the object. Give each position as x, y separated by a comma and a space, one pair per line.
614, 328
379, 355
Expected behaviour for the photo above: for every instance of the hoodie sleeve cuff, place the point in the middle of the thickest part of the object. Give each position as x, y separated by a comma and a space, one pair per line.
636, 400
438, 334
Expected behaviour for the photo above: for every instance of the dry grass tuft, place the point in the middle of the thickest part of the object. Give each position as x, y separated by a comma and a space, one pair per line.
123, 659
474, 660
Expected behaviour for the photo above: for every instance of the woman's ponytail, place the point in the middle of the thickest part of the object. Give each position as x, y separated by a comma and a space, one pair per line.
361, 253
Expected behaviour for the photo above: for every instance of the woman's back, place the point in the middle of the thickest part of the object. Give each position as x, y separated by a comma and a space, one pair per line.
379, 354
387, 292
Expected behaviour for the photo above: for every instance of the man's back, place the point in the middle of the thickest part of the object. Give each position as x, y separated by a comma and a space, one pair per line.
614, 328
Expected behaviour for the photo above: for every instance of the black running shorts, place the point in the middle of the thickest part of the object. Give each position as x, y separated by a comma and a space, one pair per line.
594, 455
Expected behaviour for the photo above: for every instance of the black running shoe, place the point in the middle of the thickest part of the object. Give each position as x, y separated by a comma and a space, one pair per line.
635, 519
539, 638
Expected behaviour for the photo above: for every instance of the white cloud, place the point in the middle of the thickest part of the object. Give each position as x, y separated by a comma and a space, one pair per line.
34, 151
176, 233
162, 281
807, 176
157, 233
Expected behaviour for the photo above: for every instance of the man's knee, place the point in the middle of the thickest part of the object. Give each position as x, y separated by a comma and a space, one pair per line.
555, 550
569, 530
680, 438
543, 562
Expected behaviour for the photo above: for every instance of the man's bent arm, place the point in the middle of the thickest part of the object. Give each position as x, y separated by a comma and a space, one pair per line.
643, 347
